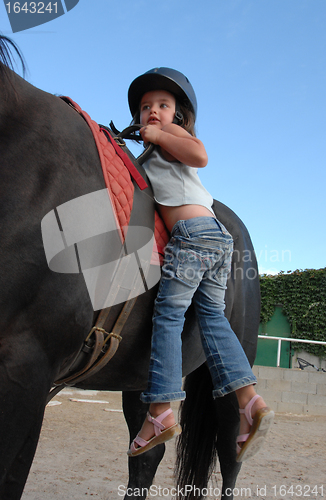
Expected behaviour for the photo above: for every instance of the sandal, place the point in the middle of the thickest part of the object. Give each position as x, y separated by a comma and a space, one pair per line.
260, 425
161, 435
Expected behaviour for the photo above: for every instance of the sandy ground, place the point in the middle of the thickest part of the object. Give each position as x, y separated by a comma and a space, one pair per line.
82, 452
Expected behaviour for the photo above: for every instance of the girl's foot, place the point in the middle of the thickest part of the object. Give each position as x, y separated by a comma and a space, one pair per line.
158, 428
155, 410
255, 421
258, 404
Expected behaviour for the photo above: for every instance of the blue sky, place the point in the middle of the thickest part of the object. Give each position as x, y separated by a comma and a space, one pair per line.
258, 69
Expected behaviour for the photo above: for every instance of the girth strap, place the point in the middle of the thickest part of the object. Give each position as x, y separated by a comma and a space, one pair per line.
101, 344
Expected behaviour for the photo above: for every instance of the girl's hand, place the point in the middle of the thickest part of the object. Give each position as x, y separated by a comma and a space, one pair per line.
150, 133
177, 143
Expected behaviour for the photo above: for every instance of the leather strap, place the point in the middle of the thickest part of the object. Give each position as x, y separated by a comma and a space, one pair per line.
129, 133
103, 345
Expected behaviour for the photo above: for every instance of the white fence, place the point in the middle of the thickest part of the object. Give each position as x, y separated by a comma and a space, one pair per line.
285, 339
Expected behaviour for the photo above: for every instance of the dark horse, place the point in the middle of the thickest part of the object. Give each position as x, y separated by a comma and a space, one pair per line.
48, 157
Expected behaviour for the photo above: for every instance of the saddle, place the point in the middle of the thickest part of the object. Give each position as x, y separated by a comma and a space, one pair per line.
121, 170
132, 203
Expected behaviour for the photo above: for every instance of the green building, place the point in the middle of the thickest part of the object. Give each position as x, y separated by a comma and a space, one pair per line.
277, 326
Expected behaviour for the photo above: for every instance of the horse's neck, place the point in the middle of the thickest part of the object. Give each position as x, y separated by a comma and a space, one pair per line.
44, 142
13, 91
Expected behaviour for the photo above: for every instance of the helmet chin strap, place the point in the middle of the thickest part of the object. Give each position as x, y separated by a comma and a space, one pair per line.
178, 116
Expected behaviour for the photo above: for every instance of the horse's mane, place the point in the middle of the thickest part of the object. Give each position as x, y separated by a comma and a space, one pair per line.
6, 55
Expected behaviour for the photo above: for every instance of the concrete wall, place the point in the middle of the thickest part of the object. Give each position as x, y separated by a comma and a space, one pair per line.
302, 392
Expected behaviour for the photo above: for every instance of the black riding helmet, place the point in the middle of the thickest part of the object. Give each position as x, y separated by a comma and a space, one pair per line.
167, 79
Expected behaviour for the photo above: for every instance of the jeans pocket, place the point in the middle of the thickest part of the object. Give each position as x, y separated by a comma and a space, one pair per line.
221, 273
190, 266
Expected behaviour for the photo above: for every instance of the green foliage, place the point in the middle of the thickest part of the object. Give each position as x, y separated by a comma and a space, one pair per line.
303, 297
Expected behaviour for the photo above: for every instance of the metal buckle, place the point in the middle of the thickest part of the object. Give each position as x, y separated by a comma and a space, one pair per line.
119, 141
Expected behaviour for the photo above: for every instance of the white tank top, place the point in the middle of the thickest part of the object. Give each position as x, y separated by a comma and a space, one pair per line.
175, 183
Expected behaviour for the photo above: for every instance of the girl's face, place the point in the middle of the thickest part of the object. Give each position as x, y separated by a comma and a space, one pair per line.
157, 107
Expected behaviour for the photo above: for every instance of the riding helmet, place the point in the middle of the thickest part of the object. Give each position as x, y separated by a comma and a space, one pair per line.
167, 79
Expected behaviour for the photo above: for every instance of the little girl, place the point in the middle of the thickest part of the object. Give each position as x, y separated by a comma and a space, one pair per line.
196, 265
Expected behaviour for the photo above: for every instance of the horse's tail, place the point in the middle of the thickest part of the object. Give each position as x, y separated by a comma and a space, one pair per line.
197, 444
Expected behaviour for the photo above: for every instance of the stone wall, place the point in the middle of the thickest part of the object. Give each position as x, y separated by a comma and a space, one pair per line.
302, 392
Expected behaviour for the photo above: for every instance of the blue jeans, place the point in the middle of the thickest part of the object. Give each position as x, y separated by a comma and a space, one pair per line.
196, 265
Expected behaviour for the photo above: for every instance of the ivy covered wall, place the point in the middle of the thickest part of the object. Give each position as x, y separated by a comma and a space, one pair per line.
303, 297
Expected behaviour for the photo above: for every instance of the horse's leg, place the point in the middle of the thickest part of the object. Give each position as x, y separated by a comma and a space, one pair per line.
142, 469
227, 416
17, 474
24, 374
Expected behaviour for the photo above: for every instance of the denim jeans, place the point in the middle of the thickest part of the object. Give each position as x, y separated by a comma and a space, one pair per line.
196, 265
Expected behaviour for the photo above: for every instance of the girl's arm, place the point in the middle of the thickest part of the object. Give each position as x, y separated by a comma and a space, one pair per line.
178, 143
